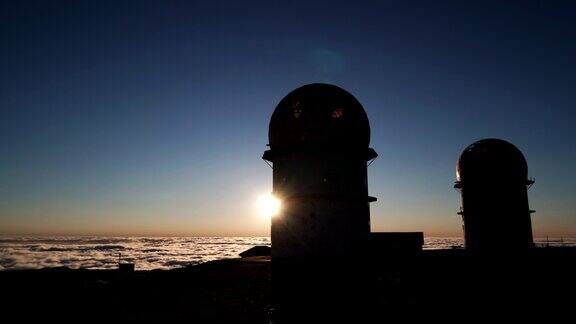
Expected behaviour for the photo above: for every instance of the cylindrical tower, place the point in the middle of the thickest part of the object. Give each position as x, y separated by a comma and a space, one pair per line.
492, 175
319, 136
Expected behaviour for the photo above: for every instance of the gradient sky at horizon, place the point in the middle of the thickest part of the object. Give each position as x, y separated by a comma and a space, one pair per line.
150, 117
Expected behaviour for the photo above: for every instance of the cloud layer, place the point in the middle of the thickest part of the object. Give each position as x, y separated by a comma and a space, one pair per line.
103, 253
147, 252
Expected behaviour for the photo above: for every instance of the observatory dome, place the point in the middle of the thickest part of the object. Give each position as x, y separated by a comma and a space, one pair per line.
319, 115
489, 159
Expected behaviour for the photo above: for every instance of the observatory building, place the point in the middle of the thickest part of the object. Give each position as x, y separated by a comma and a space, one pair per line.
319, 139
492, 176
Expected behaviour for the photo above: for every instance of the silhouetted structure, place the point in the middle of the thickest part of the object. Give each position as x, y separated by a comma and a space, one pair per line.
394, 243
125, 267
492, 175
319, 136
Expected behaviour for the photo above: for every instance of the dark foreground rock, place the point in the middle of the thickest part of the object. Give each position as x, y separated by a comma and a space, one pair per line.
259, 250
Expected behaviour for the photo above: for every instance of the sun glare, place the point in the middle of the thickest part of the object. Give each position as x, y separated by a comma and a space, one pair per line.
268, 205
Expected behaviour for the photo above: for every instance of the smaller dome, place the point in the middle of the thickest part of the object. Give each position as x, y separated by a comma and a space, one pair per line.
490, 159
319, 115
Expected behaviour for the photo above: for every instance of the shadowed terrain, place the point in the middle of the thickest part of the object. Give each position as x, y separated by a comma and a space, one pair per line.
239, 290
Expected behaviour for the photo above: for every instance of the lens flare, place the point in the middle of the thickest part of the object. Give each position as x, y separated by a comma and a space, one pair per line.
268, 205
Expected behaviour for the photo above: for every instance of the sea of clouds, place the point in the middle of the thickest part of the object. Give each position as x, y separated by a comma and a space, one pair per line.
103, 252
148, 252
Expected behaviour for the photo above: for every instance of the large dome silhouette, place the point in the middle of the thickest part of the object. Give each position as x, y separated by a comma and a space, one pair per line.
319, 115
489, 159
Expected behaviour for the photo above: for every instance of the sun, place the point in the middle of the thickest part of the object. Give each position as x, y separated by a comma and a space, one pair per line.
268, 205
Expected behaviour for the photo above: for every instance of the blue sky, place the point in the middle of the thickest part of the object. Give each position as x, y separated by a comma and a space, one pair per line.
150, 117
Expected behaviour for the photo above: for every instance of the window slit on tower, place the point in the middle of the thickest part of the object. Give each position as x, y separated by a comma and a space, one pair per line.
338, 113
296, 109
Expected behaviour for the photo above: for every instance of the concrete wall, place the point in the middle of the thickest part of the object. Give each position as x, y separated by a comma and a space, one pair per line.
325, 209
